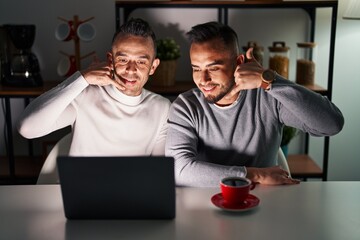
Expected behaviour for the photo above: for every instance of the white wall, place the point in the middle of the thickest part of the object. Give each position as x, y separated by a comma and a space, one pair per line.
344, 148
344, 163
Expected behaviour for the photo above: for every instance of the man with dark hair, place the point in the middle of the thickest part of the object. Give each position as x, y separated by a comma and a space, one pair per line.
106, 105
136, 27
231, 125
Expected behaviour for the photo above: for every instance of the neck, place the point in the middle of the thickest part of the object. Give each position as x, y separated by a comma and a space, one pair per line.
227, 100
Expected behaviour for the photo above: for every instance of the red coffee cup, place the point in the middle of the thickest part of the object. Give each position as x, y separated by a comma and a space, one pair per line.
235, 190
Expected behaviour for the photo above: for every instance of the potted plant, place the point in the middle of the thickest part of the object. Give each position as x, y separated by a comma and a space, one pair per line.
168, 51
288, 134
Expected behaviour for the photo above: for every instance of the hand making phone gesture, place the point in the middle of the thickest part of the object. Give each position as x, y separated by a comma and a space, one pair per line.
247, 73
101, 74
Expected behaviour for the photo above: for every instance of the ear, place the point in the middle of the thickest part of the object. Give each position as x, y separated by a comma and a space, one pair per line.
240, 59
109, 59
155, 64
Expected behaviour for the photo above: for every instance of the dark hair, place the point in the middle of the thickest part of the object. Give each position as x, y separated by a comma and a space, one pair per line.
213, 30
137, 27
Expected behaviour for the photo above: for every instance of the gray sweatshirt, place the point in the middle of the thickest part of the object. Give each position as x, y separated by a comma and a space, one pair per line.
210, 142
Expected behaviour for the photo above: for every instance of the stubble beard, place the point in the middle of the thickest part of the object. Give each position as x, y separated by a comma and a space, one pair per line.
224, 90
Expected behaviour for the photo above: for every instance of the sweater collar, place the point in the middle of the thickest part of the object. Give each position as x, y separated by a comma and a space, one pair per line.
123, 98
232, 104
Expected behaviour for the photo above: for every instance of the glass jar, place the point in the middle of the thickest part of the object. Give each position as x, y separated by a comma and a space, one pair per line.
258, 51
279, 58
305, 63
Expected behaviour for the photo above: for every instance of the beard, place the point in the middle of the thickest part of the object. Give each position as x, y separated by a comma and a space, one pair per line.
224, 90
215, 98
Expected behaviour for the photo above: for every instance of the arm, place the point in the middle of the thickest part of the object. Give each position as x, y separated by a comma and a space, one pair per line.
52, 110
306, 110
182, 144
159, 148
299, 107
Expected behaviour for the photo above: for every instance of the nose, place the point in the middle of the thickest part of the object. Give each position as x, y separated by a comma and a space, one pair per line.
204, 77
131, 66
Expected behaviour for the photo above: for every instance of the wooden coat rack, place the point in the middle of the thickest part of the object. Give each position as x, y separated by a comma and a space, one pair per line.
74, 24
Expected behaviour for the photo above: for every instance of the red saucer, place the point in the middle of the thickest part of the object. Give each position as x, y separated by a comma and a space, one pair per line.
250, 203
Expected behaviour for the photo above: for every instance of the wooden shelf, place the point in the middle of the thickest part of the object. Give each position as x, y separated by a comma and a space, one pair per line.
27, 170
24, 166
252, 3
317, 88
302, 166
21, 92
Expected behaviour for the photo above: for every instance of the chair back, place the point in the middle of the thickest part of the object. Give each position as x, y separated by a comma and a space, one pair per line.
48, 173
282, 161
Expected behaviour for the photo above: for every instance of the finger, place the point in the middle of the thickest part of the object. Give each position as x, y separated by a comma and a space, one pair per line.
235, 90
111, 74
286, 173
250, 56
290, 181
117, 85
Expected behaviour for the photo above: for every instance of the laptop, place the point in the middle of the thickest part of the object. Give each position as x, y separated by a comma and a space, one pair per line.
140, 187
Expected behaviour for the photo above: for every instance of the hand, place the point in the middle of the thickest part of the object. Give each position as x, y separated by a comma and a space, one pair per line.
101, 74
270, 176
247, 73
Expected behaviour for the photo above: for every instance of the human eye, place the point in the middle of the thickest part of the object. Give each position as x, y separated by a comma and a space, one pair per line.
195, 70
214, 69
122, 60
142, 63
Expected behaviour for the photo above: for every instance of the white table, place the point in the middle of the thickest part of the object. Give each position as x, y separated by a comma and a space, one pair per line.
311, 210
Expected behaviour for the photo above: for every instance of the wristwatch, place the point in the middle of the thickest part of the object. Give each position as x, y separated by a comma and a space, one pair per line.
268, 76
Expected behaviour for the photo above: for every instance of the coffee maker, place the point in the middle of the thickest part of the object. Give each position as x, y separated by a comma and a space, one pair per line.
19, 66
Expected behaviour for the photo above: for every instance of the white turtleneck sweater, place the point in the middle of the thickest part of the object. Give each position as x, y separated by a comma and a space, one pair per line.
104, 121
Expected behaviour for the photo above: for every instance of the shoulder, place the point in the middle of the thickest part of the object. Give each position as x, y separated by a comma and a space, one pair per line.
155, 98
192, 96
190, 103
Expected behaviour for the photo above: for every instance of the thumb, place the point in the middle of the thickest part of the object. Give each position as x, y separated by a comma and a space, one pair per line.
250, 55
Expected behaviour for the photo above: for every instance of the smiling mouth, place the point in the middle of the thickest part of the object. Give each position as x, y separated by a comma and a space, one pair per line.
208, 88
128, 81
131, 81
